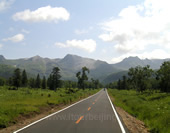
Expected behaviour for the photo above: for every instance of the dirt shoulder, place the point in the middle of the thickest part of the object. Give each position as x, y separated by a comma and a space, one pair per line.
133, 125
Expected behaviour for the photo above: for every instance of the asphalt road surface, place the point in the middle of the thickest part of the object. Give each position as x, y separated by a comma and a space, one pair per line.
92, 115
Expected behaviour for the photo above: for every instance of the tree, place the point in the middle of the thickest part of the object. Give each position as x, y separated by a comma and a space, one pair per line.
79, 83
95, 83
54, 79
124, 83
119, 85
24, 78
139, 77
32, 82
50, 82
17, 78
38, 82
164, 76
44, 83
82, 78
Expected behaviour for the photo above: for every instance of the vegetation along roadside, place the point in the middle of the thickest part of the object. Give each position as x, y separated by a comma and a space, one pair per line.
20, 95
144, 94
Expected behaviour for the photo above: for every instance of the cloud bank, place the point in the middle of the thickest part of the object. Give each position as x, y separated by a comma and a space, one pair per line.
43, 14
139, 27
15, 39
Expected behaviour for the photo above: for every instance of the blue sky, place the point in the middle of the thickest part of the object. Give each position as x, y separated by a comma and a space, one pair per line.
107, 30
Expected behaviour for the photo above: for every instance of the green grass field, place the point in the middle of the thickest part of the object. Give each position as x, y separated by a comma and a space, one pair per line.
24, 101
152, 109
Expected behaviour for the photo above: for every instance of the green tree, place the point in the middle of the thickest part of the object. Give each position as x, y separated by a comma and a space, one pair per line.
32, 82
79, 83
17, 78
44, 83
82, 78
164, 76
124, 83
119, 84
50, 82
95, 83
54, 81
24, 78
38, 82
56, 78
140, 77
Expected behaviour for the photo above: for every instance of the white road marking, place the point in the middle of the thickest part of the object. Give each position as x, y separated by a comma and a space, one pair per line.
117, 117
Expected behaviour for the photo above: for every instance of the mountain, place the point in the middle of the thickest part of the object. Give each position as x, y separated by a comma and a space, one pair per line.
69, 66
6, 71
136, 61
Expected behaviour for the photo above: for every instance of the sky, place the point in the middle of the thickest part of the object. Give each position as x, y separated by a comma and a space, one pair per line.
108, 30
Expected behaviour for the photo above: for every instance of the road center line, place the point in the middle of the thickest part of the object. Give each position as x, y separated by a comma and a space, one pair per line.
89, 108
79, 119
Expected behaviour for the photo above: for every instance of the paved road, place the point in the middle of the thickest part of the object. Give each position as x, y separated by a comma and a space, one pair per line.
93, 115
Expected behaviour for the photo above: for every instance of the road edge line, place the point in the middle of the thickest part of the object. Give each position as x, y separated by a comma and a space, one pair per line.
117, 117
55, 113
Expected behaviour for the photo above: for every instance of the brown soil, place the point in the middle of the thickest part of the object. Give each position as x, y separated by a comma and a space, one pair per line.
133, 125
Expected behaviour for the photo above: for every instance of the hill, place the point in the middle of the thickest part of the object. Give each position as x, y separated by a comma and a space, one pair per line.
136, 61
71, 64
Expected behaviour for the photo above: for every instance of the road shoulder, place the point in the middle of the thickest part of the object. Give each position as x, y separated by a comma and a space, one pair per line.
133, 125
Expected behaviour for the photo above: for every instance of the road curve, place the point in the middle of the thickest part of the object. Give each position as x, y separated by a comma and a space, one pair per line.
95, 114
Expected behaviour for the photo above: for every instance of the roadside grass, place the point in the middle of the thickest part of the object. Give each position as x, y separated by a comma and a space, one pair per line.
152, 109
14, 103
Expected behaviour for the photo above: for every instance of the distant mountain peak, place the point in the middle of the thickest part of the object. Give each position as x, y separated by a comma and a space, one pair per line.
34, 58
132, 58
37, 56
72, 56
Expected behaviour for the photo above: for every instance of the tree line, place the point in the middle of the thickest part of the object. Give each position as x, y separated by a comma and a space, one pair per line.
144, 78
52, 82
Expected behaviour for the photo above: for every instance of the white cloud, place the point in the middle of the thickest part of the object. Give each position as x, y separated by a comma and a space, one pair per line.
155, 54
139, 26
5, 4
16, 38
88, 45
43, 14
